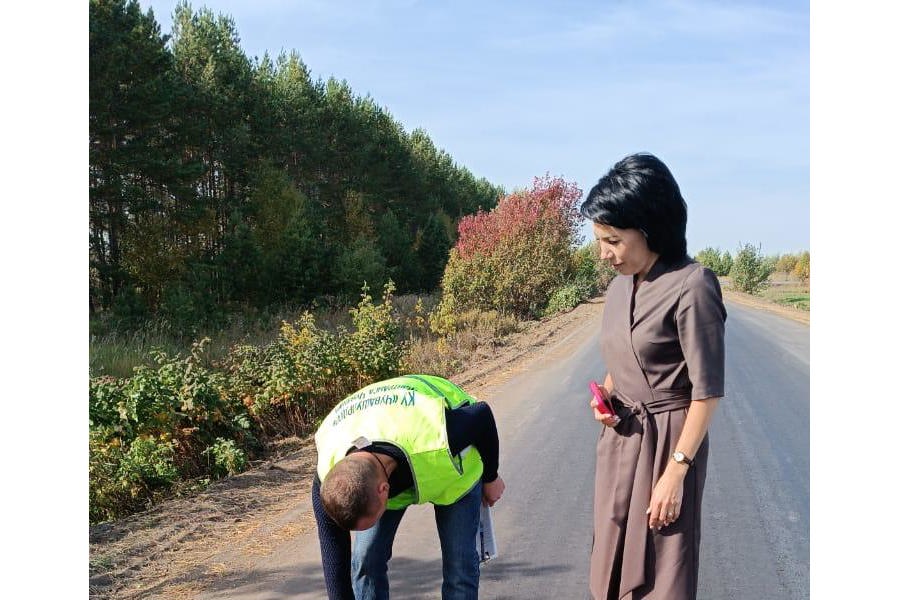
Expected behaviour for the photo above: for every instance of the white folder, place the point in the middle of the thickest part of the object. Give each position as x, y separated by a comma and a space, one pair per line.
485, 541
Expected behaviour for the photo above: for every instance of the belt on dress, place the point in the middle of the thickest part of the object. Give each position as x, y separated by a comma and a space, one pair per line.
636, 529
662, 401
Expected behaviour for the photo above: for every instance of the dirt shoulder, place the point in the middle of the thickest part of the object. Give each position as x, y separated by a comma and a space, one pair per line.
176, 549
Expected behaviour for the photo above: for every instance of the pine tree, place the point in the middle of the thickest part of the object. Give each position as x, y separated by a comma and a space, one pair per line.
433, 251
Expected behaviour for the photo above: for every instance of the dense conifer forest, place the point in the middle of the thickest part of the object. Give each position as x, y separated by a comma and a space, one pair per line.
219, 180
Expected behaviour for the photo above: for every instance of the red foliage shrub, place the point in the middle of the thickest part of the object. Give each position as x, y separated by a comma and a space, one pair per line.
550, 205
513, 258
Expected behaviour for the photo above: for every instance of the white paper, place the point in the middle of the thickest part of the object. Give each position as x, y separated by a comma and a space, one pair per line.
485, 542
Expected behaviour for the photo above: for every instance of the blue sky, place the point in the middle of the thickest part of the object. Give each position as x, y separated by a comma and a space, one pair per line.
512, 90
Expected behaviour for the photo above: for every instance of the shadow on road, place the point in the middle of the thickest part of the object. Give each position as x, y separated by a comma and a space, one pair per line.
410, 578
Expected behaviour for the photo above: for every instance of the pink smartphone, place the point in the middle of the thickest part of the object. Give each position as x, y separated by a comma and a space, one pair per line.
603, 403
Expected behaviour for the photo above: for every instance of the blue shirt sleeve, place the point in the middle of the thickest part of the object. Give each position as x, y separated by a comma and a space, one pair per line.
335, 545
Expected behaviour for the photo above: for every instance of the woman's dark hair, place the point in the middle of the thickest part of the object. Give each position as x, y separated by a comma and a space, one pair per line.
639, 192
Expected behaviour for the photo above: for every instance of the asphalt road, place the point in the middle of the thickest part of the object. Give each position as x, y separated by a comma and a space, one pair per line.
756, 507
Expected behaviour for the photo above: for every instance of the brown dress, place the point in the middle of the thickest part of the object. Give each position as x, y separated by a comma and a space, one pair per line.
664, 346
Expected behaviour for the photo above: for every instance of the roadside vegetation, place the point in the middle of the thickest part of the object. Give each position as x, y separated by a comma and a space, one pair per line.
183, 417
781, 278
249, 228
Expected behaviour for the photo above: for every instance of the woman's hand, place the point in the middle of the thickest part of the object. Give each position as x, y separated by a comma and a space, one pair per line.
665, 502
608, 420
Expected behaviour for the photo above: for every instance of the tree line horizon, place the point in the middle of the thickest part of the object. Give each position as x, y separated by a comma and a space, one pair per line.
217, 180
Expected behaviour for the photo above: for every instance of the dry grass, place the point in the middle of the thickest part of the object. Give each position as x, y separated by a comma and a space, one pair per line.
795, 314
784, 289
787, 290
478, 335
118, 353
479, 332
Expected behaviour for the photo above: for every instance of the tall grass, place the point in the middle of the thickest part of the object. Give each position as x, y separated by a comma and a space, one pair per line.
478, 333
116, 353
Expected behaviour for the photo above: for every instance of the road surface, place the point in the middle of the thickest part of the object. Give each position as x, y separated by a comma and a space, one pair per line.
756, 507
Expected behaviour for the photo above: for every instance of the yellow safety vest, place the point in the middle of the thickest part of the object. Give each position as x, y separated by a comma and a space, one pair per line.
407, 412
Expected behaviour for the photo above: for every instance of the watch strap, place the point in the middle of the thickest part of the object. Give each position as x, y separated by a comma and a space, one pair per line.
684, 459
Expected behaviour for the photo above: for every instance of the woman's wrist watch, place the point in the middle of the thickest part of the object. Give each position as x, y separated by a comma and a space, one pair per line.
681, 459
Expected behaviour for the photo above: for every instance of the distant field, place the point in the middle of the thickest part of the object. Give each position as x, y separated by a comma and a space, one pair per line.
787, 291
782, 289
797, 297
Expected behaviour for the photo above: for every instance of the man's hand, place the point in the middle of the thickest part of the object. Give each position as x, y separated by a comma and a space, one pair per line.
491, 492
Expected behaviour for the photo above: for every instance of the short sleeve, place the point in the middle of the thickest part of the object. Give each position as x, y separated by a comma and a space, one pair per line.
701, 331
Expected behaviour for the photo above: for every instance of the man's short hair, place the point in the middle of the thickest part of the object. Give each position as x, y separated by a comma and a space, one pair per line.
349, 491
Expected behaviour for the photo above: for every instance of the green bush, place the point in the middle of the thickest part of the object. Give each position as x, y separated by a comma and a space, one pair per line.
225, 458
586, 270
801, 268
591, 275
786, 263
374, 350
287, 383
518, 277
183, 418
181, 392
107, 498
106, 401
125, 479
716, 261
751, 270
359, 263
590, 267
726, 264
148, 431
568, 297
263, 378
149, 464
708, 257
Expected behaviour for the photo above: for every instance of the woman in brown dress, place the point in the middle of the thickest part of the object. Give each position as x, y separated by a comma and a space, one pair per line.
663, 342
